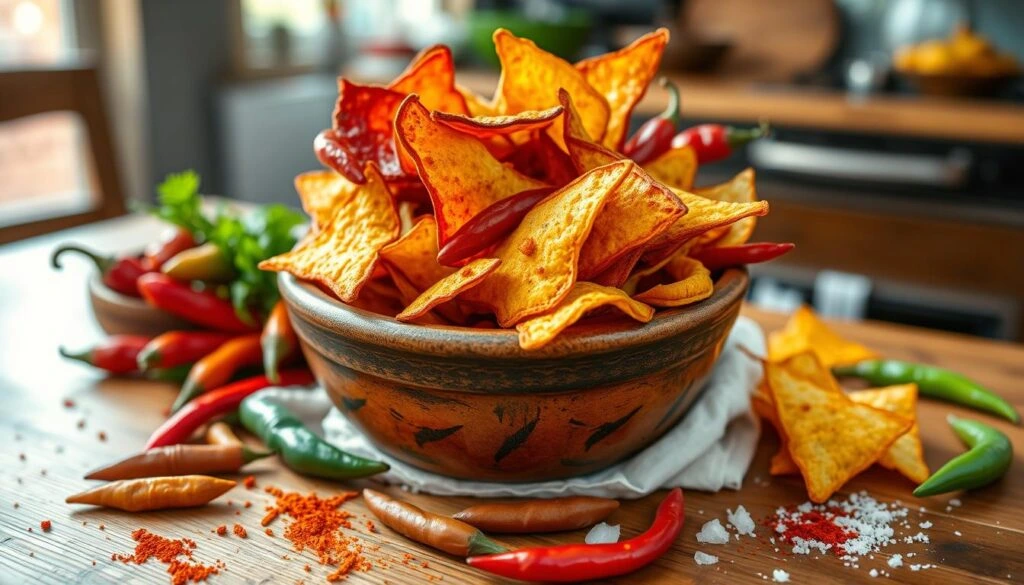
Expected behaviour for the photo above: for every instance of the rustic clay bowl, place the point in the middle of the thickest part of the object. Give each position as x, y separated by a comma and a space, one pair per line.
470, 403
119, 314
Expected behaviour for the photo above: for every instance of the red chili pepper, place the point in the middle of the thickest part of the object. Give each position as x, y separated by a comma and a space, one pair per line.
179, 427
490, 225
278, 339
171, 242
654, 137
200, 307
584, 562
714, 142
175, 348
116, 354
119, 274
724, 256
216, 369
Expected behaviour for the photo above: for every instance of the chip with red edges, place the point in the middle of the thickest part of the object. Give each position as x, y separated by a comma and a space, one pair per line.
431, 76
502, 133
461, 175
585, 297
704, 214
622, 78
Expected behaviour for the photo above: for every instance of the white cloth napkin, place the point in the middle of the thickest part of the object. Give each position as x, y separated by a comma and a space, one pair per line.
709, 449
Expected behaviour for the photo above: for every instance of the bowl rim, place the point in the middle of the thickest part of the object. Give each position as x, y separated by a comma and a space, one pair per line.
100, 289
371, 328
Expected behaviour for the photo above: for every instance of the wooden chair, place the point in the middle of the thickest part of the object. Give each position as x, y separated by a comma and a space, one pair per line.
28, 92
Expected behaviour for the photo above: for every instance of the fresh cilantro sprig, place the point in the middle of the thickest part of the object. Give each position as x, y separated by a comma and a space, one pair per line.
245, 239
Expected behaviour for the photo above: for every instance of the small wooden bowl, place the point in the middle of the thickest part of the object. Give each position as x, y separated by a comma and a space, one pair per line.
470, 403
119, 314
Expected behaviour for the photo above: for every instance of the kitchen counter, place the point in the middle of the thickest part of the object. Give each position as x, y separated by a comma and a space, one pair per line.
50, 443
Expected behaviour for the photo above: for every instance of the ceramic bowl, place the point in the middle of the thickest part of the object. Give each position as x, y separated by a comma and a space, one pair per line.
469, 403
119, 314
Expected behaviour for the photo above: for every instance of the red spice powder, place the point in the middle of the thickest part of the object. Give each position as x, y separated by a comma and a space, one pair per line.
167, 551
102, 436
68, 403
249, 482
45, 525
222, 530
269, 532
813, 525
239, 531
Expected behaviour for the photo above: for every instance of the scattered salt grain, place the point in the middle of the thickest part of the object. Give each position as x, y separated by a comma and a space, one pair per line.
603, 533
704, 559
896, 561
713, 533
780, 576
957, 532
873, 572
955, 503
926, 525
741, 521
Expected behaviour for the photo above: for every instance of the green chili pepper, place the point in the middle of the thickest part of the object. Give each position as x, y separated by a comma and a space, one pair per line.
932, 382
176, 374
206, 262
300, 448
988, 458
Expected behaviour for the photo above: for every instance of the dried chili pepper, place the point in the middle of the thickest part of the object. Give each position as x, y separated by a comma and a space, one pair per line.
654, 137
932, 382
117, 354
278, 340
172, 241
176, 348
718, 257
179, 427
205, 262
300, 448
118, 274
584, 562
531, 516
218, 367
440, 532
220, 433
714, 142
154, 493
179, 460
200, 307
490, 225
988, 458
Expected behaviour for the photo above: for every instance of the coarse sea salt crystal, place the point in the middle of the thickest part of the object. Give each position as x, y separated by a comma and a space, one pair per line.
957, 532
955, 503
926, 525
896, 561
713, 533
780, 576
702, 558
873, 572
741, 521
603, 533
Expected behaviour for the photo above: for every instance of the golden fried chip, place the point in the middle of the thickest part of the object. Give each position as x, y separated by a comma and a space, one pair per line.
805, 332
477, 104
693, 283
584, 297
586, 153
830, 437
739, 189
906, 455
343, 255
322, 193
415, 255
622, 77
539, 259
487, 126
448, 288
782, 463
676, 168
431, 76
704, 214
531, 77
461, 175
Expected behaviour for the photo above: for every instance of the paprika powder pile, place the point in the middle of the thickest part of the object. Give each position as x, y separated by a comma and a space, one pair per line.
167, 551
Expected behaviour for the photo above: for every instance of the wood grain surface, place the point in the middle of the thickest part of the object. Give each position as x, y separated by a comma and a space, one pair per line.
48, 445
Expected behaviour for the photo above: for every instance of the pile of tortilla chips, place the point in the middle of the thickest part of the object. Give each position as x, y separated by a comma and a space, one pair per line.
828, 435
409, 164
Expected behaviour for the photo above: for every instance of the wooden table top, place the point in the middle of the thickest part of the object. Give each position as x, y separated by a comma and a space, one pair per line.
48, 446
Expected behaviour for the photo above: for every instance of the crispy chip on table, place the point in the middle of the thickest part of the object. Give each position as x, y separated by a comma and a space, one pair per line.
538, 331
343, 255
906, 455
806, 332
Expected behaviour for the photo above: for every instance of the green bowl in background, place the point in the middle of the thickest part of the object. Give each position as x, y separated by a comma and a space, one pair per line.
564, 38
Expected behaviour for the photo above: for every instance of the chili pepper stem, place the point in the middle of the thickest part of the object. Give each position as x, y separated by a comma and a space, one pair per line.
102, 262
480, 544
249, 454
737, 137
83, 356
672, 110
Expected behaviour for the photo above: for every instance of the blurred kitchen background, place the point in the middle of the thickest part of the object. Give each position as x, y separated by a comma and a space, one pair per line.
900, 179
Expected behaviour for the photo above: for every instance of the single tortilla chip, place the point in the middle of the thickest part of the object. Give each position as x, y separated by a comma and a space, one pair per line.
461, 175
906, 455
830, 437
362, 132
704, 214
343, 255
487, 126
638, 211
623, 77
676, 167
693, 283
584, 297
431, 76
539, 259
531, 77
739, 189
448, 288
322, 193
806, 332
